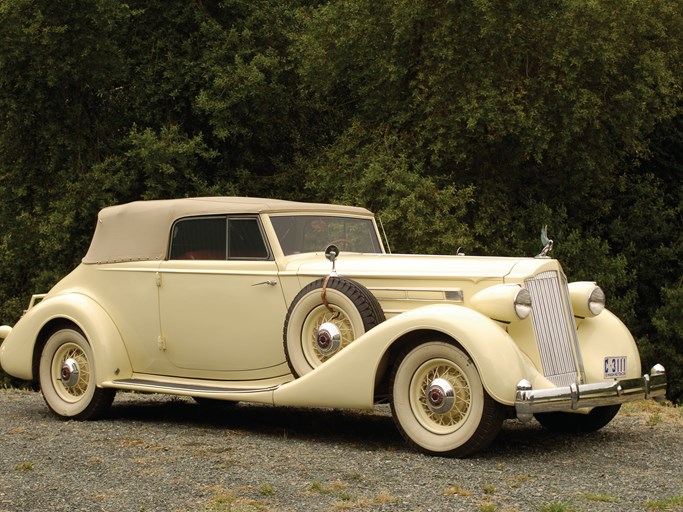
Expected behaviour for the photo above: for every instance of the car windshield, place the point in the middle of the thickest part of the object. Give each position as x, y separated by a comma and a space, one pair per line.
313, 233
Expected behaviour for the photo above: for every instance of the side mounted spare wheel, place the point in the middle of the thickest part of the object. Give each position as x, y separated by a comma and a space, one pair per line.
67, 377
324, 318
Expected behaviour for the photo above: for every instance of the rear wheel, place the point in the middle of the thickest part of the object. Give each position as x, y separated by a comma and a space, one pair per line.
567, 422
439, 403
67, 377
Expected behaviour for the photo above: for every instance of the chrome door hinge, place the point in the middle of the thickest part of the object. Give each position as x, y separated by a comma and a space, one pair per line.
157, 278
161, 342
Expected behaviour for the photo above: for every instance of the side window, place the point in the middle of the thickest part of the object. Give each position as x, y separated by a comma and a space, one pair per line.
211, 238
245, 240
202, 238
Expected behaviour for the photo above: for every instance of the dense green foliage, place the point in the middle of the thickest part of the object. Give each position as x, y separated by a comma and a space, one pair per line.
462, 123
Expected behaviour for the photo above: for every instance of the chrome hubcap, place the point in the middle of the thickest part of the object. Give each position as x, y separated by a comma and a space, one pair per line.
70, 373
440, 396
328, 339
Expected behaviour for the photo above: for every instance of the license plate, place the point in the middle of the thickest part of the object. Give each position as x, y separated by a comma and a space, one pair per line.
615, 367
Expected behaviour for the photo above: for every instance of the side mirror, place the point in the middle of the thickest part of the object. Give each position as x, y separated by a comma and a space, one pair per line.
331, 253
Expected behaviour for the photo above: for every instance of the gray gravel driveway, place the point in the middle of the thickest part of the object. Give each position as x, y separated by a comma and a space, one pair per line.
161, 453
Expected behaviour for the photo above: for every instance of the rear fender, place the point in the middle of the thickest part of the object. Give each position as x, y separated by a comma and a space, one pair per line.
23, 344
348, 379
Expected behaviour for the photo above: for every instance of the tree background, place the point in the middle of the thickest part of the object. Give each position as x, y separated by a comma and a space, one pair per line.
463, 124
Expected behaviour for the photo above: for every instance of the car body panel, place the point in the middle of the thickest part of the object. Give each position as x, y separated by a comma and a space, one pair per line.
129, 294
18, 349
218, 298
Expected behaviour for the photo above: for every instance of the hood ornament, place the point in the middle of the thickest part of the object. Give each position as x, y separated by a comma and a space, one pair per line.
547, 243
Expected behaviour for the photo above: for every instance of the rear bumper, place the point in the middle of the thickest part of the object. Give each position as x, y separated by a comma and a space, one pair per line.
578, 396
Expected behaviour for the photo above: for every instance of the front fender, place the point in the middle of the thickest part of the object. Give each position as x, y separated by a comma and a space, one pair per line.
348, 379
111, 357
606, 336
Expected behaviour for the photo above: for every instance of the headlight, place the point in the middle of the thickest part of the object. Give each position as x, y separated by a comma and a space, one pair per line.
596, 301
588, 299
503, 302
523, 303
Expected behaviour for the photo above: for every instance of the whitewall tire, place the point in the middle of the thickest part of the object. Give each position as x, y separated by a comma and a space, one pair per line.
347, 306
439, 403
67, 377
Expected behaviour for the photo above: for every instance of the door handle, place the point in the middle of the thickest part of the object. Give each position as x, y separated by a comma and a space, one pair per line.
270, 282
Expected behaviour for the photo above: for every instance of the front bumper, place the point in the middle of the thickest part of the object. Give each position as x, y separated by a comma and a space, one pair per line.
530, 401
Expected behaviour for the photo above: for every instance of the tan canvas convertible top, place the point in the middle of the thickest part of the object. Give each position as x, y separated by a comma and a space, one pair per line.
139, 231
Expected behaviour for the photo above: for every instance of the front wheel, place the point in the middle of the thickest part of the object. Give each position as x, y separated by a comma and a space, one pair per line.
439, 403
67, 377
576, 423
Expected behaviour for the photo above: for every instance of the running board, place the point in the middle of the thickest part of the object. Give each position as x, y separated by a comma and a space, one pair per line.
185, 389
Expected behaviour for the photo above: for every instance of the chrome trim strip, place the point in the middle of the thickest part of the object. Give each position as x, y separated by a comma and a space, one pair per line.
136, 384
447, 294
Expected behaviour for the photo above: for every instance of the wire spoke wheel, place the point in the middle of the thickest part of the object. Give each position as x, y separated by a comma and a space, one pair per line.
441, 396
439, 403
67, 377
315, 351
70, 372
324, 318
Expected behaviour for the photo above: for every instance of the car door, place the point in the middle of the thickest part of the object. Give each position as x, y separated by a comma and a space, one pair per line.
221, 305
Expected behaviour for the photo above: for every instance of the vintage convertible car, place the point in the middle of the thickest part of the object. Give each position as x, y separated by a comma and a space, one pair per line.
194, 297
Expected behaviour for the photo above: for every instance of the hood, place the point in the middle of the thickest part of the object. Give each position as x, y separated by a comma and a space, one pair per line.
419, 266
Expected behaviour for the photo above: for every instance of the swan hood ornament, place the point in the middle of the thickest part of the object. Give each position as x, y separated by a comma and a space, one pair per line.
547, 243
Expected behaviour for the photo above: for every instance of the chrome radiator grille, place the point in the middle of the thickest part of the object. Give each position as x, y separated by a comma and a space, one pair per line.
553, 322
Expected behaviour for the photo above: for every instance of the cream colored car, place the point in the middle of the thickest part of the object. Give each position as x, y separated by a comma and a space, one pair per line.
194, 297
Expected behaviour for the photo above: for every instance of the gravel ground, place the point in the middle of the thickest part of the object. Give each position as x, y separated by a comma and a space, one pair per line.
161, 453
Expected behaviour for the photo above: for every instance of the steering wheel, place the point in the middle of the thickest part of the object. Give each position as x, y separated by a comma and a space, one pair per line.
343, 243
